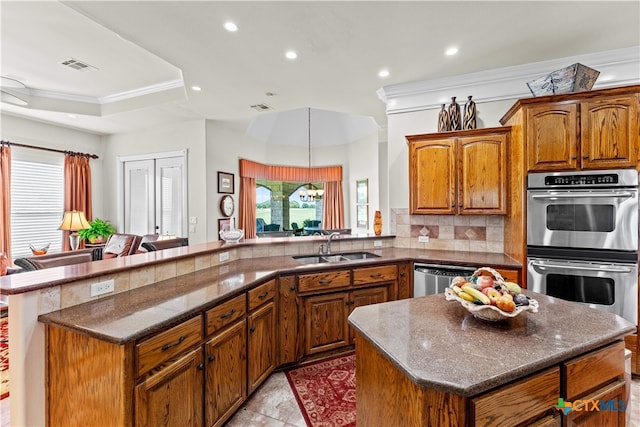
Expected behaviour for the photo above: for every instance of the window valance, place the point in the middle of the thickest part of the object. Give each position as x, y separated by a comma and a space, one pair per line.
250, 169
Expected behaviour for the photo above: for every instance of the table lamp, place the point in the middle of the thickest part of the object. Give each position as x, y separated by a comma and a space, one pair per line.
74, 221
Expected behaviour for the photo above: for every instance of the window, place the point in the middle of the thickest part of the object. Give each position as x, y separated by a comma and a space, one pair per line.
279, 203
37, 206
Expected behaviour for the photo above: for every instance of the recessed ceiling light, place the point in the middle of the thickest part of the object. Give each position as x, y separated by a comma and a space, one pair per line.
383, 73
196, 88
291, 54
606, 77
230, 26
72, 116
451, 51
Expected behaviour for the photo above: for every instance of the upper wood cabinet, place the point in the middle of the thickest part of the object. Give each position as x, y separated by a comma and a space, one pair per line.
595, 133
459, 172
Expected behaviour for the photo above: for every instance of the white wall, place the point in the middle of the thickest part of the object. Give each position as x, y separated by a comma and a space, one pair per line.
31, 132
362, 164
188, 135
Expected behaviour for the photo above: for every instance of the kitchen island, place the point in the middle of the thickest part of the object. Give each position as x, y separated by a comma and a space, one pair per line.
427, 361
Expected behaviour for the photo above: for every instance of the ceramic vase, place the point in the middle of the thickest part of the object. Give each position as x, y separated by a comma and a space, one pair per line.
444, 124
469, 121
454, 115
4, 263
377, 223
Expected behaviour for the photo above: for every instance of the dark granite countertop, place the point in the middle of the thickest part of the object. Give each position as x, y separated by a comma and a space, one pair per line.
439, 345
134, 314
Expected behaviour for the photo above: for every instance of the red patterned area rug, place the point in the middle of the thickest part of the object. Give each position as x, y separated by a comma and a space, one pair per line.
4, 357
326, 391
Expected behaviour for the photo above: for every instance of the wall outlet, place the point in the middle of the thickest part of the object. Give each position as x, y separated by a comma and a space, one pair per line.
224, 256
193, 220
377, 243
423, 239
102, 288
192, 228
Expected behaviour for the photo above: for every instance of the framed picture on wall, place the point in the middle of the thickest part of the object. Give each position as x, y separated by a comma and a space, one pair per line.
225, 182
223, 224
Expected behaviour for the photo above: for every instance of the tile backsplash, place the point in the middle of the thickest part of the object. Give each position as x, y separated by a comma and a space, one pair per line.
474, 233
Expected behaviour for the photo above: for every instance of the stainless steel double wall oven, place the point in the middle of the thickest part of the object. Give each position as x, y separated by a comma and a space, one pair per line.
582, 238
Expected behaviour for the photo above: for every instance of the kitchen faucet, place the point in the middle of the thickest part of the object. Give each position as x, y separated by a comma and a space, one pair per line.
331, 236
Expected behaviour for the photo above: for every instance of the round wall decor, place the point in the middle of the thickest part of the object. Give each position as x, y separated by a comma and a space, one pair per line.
227, 206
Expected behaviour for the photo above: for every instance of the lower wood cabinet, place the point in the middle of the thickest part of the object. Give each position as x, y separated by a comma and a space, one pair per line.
261, 345
326, 324
156, 398
226, 373
289, 328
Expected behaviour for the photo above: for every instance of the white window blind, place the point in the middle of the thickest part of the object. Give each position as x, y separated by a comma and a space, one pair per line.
37, 206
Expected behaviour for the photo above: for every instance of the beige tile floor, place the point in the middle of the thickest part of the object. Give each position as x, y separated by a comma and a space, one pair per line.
273, 405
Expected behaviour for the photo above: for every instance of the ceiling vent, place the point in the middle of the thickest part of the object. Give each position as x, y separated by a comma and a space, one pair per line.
261, 107
78, 65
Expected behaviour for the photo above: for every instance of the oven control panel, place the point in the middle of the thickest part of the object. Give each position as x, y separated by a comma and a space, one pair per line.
599, 179
570, 180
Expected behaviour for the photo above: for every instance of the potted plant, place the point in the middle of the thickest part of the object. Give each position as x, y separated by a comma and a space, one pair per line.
99, 231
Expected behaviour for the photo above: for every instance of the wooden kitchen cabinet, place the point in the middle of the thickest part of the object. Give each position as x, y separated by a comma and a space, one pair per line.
226, 373
596, 133
326, 322
261, 336
173, 396
461, 172
405, 280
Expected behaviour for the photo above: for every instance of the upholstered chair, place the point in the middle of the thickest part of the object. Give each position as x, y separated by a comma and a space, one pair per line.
120, 244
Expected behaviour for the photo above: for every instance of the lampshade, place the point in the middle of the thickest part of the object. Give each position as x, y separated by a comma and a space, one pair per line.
74, 221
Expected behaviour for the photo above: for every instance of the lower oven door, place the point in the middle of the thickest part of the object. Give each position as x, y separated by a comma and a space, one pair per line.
611, 287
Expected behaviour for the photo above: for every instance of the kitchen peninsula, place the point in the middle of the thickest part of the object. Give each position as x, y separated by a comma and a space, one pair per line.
442, 366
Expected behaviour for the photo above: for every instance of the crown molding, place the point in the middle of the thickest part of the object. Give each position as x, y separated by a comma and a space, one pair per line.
617, 68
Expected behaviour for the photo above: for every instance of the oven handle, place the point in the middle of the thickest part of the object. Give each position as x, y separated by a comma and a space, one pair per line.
606, 268
582, 195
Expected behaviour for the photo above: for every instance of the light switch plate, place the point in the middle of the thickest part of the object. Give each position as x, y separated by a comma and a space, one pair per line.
224, 256
193, 220
423, 239
377, 243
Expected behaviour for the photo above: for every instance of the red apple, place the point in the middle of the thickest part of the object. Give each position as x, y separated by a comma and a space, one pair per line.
484, 282
493, 294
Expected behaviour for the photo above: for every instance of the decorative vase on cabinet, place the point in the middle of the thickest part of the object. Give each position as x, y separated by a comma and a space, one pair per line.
444, 124
469, 121
454, 115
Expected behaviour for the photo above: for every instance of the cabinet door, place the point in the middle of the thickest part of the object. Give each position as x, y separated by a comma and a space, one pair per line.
432, 177
325, 320
363, 297
552, 137
172, 396
289, 343
405, 279
261, 345
613, 396
483, 174
226, 373
609, 130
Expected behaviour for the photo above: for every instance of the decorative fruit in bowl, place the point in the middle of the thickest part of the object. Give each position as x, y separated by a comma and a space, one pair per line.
231, 236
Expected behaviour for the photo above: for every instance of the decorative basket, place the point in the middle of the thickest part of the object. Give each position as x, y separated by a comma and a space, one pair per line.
490, 312
574, 78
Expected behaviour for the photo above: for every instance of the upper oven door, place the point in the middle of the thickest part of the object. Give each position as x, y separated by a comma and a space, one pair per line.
599, 218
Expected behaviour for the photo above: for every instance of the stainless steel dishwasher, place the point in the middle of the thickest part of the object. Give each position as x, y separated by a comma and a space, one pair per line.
429, 279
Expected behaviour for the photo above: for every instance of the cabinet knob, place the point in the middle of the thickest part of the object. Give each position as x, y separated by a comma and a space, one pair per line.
453, 205
460, 205
586, 156
200, 367
252, 329
292, 288
574, 157
211, 358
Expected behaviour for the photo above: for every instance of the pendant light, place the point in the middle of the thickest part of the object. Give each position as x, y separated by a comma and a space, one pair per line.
310, 192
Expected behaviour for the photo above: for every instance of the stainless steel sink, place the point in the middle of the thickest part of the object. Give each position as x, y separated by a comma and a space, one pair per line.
346, 256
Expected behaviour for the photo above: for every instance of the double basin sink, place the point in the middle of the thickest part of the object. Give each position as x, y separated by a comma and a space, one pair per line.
338, 257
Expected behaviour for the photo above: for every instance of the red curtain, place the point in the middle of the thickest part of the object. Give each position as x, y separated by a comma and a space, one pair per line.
77, 189
331, 176
5, 200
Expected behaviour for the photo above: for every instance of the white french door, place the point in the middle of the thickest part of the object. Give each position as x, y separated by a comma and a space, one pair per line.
154, 192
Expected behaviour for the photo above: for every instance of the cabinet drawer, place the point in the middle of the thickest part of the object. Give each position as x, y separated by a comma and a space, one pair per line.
263, 293
324, 281
587, 373
153, 351
522, 401
226, 313
384, 273
509, 275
